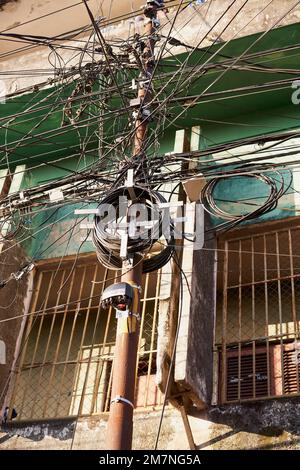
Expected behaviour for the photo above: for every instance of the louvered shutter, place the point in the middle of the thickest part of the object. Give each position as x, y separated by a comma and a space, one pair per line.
246, 376
291, 370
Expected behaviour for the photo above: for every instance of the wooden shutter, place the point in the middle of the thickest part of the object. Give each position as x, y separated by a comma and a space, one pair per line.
291, 370
249, 388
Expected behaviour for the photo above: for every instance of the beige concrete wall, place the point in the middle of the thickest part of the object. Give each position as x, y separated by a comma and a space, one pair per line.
265, 425
191, 27
16, 12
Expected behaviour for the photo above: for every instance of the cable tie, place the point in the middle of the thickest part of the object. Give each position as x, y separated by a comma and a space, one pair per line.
135, 286
136, 315
119, 399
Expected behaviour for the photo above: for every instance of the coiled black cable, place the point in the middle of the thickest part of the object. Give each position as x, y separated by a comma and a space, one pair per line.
277, 189
108, 242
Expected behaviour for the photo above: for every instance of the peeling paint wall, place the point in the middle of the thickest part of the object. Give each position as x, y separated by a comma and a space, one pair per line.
266, 425
263, 425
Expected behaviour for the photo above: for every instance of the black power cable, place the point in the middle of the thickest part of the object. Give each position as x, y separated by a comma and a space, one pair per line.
276, 191
108, 242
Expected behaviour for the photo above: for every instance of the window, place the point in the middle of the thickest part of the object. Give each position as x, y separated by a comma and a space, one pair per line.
65, 366
257, 339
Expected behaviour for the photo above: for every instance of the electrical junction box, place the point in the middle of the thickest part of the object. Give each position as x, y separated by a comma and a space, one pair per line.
118, 295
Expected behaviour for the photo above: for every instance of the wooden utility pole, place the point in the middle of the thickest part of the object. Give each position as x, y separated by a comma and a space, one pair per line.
120, 423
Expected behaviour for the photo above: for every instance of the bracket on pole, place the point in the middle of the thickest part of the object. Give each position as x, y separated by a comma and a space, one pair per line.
129, 183
124, 246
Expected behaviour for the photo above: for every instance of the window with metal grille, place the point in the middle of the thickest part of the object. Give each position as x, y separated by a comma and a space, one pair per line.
65, 364
242, 380
257, 336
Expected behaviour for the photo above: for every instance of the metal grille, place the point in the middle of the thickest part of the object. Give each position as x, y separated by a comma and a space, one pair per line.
65, 366
258, 316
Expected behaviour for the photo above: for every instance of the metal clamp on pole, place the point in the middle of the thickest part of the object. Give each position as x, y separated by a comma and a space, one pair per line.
119, 399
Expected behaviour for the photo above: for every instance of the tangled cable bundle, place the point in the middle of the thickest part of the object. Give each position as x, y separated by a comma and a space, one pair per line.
107, 240
11, 227
276, 190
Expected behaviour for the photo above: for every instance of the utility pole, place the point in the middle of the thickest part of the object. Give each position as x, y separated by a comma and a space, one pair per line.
120, 423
